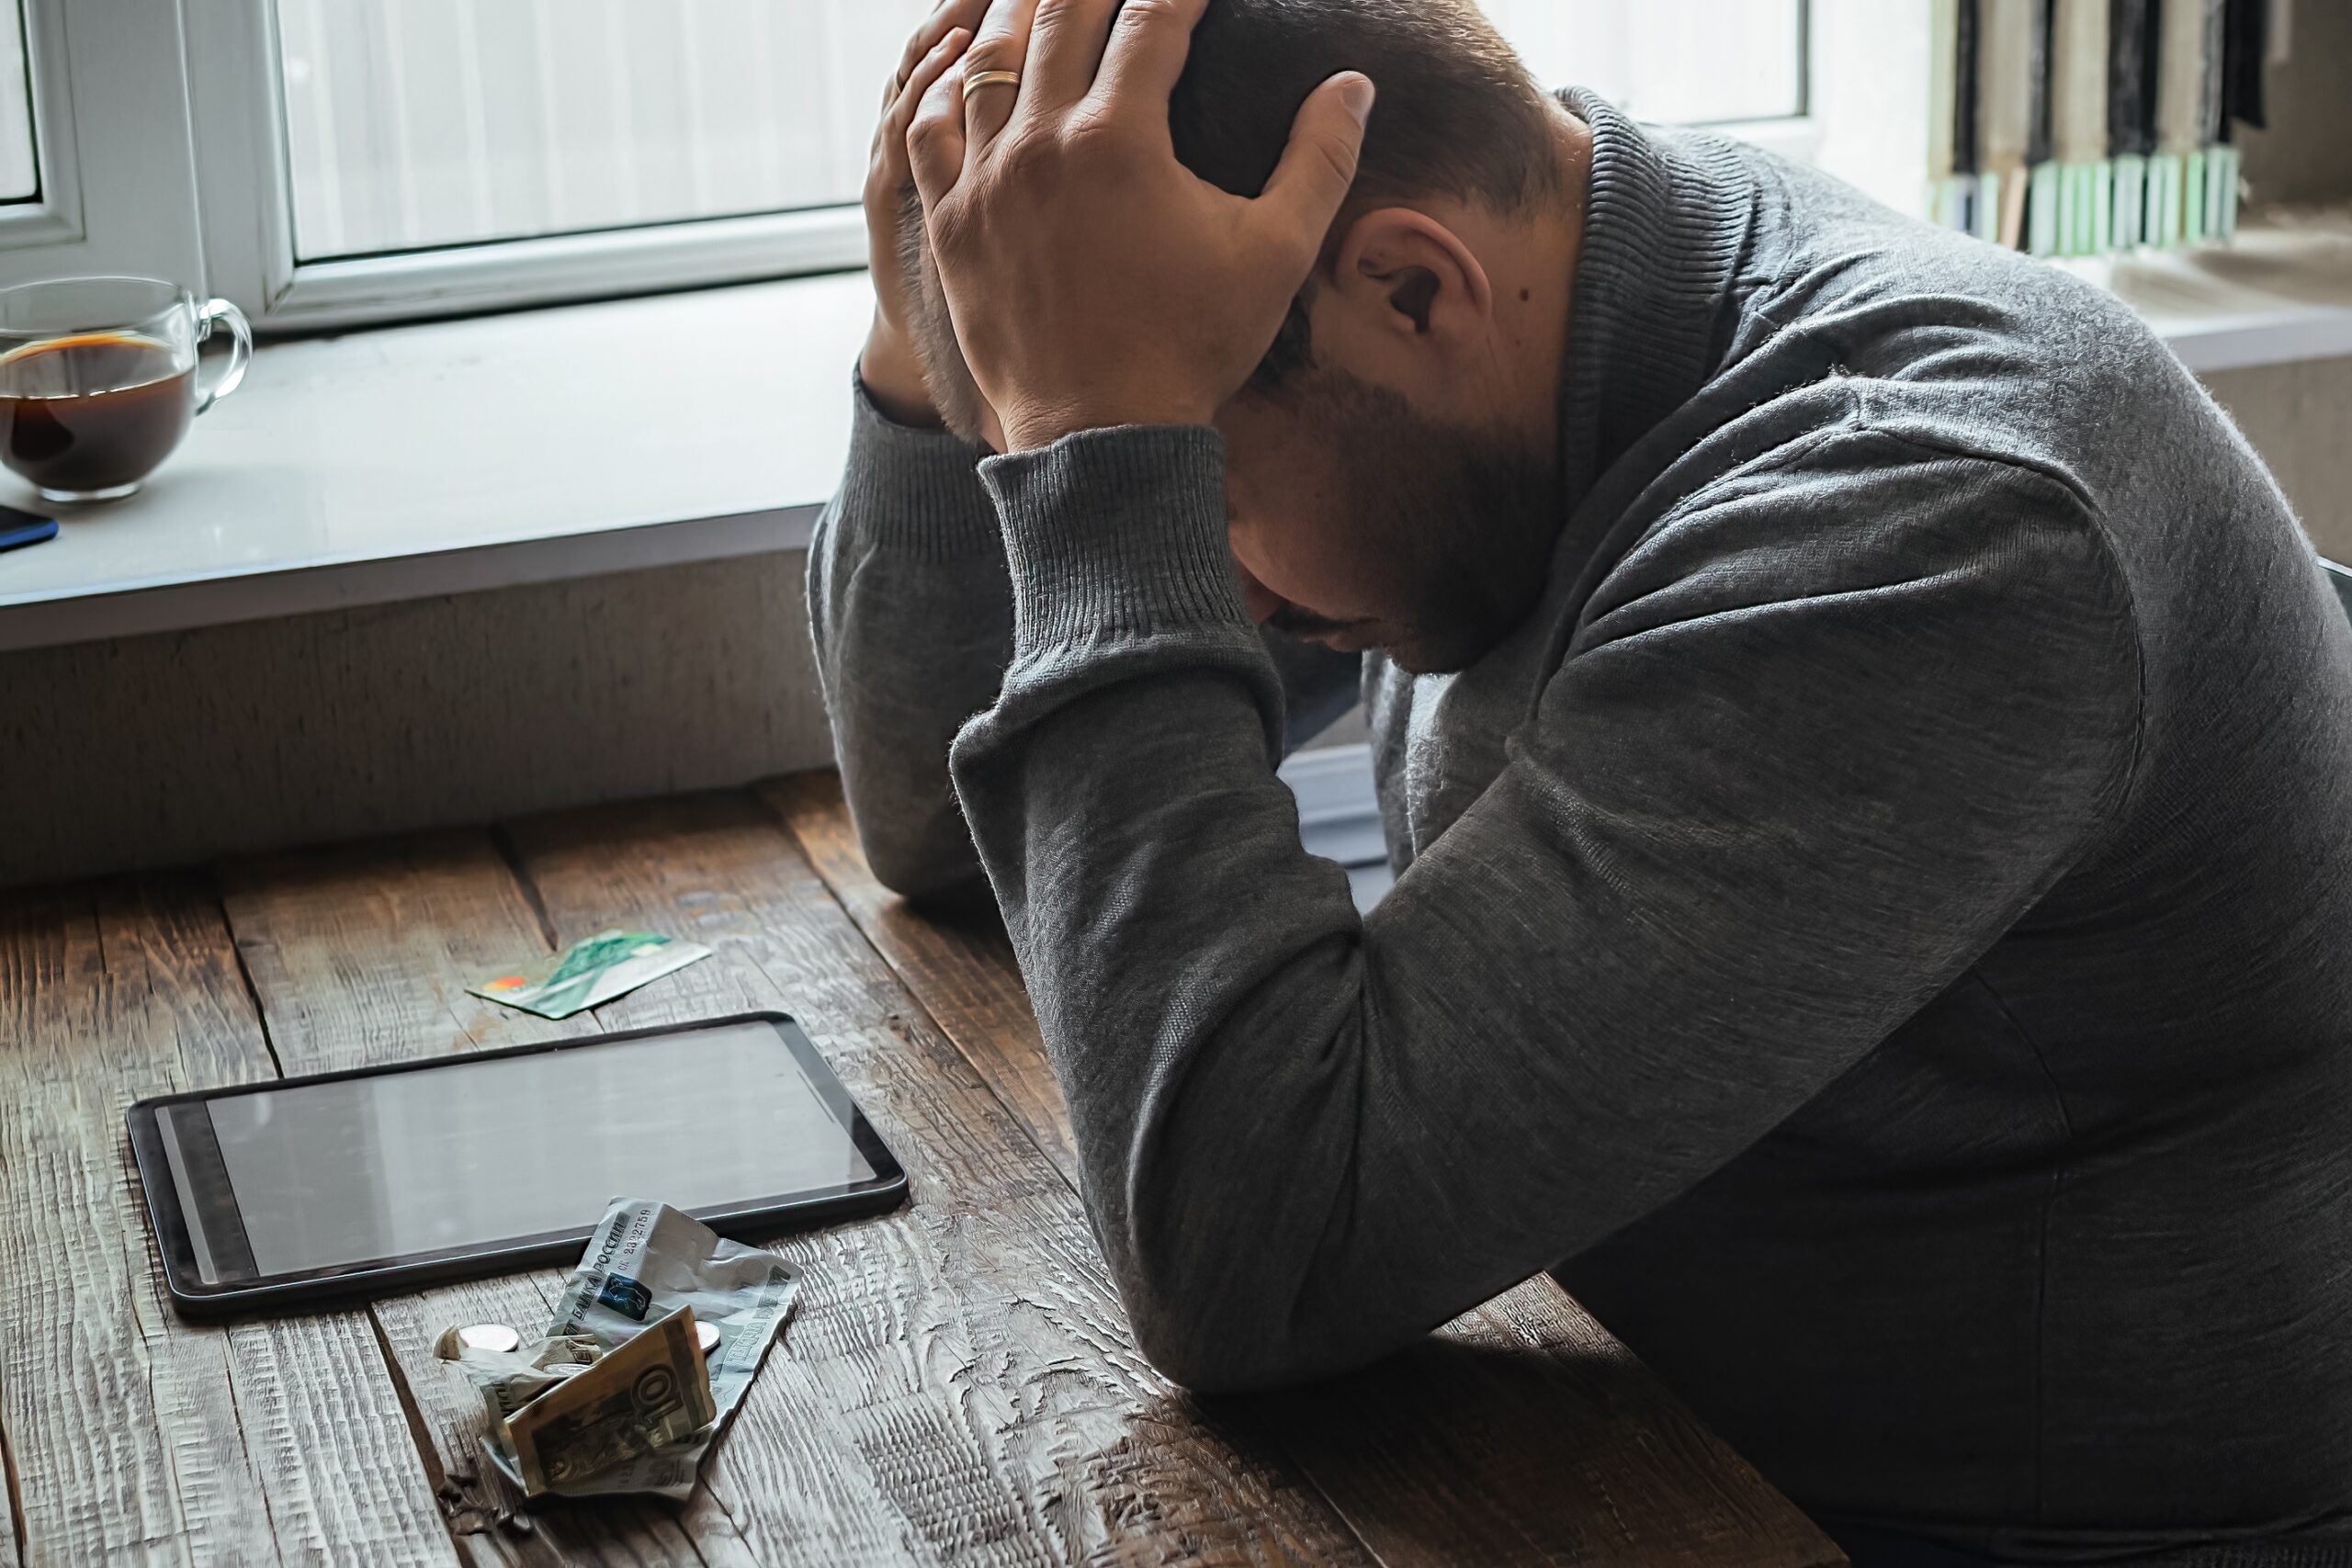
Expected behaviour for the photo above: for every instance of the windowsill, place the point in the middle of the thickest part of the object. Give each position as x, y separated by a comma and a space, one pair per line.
2280, 292
460, 456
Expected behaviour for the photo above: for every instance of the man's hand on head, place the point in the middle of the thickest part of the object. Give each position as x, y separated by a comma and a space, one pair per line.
1093, 279
889, 365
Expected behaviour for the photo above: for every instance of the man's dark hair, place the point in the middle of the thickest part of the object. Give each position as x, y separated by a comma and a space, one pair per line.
1457, 114
1457, 111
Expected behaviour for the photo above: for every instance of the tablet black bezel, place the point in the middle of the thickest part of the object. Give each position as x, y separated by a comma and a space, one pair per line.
381, 1276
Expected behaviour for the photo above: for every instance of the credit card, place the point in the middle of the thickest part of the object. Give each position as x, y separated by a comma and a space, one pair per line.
591, 971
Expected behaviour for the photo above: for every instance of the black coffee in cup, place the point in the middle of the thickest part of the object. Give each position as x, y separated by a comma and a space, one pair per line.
95, 411
99, 381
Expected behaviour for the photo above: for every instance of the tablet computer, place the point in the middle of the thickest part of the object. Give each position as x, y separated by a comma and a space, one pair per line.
272, 1195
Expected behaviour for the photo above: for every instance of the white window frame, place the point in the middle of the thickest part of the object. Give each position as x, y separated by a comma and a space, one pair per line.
249, 221
239, 104
160, 134
1868, 69
112, 144
1870, 73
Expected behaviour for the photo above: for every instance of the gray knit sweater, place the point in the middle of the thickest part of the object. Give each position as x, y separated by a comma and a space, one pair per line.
1878, 929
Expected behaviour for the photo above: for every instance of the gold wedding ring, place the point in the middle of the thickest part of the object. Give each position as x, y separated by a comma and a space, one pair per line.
979, 79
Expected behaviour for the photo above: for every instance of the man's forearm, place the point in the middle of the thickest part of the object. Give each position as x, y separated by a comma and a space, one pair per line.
912, 619
1148, 864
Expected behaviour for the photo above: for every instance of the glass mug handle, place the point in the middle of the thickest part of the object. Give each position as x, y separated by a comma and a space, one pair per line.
241, 348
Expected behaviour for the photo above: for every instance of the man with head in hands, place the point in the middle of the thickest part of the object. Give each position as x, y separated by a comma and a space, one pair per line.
1861, 739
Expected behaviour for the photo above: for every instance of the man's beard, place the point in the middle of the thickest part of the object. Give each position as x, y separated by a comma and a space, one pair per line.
1458, 525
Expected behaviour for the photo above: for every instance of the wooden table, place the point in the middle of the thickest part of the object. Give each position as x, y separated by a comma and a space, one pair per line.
959, 1385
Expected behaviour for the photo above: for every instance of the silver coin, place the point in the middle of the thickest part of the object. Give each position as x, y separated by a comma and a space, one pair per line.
707, 1335
488, 1337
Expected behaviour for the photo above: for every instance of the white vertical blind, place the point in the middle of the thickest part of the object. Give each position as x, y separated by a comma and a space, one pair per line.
416, 124
1685, 61
19, 172
413, 124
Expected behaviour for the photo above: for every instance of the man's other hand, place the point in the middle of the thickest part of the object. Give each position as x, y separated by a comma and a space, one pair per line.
889, 368
1094, 280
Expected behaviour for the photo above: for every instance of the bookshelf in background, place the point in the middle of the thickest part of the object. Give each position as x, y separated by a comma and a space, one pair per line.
2073, 127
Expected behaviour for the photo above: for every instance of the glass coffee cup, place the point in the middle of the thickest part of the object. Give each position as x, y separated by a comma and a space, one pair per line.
98, 379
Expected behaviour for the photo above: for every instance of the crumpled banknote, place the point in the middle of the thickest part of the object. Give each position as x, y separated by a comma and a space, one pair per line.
619, 1395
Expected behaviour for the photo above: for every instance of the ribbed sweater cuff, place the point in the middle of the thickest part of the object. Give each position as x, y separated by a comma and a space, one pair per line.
917, 491
1114, 534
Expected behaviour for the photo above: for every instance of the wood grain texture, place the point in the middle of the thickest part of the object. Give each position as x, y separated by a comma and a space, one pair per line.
12, 1519
959, 1385
1521, 1433
362, 953
136, 1438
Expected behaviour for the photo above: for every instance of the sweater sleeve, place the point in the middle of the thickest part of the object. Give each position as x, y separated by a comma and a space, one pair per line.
912, 618
911, 615
1822, 737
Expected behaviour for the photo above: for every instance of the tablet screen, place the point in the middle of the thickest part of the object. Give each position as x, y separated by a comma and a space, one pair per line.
474, 1152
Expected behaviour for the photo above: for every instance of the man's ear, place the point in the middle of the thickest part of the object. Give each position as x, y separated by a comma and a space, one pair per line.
1412, 275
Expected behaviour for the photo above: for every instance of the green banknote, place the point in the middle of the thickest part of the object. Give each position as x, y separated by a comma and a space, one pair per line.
590, 972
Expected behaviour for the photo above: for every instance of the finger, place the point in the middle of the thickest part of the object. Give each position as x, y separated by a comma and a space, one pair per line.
999, 43
1311, 184
1150, 43
944, 20
943, 54
935, 139
1065, 45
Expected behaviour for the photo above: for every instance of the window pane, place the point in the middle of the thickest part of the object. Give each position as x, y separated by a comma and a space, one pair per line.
413, 124
19, 172
1687, 60
420, 123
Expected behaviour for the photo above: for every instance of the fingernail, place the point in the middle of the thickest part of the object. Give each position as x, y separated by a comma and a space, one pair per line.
1357, 94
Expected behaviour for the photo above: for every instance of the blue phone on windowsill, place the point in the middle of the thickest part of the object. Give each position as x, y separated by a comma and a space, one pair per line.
19, 529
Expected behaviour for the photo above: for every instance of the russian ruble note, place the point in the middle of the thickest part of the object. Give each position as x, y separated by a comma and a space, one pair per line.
591, 971
645, 1262
637, 1400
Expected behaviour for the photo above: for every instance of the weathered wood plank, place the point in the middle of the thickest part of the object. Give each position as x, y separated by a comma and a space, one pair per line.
959, 1385
12, 1523
137, 1437
1521, 1433
361, 953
